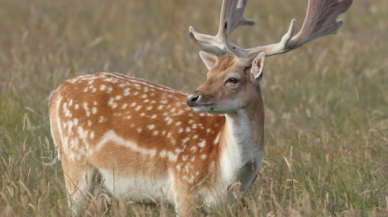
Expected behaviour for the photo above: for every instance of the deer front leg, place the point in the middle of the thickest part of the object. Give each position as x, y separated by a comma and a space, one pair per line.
248, 175
184, 201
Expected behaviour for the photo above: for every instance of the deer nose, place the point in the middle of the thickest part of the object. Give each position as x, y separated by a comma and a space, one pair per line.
192, 99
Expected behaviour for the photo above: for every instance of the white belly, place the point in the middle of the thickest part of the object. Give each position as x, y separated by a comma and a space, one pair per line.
139, 189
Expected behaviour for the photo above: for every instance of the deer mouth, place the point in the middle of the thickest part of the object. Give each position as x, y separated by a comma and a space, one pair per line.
203, 107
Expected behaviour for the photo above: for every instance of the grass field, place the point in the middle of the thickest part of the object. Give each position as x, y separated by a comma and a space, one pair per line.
326, 104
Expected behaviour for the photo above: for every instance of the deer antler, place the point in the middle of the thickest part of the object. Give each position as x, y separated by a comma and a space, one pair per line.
320, 21
232, 13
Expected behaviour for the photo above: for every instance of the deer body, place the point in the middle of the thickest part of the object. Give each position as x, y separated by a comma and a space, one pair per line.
145, 144
193, 154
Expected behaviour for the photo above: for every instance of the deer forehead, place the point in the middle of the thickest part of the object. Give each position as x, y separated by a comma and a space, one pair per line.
226, 65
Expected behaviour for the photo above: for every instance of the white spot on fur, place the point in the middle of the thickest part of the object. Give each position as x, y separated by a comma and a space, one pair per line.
202, 144
126, 92
83, 134
112, 103
194, 149
185, 140
172, 156
85, 105
217, 138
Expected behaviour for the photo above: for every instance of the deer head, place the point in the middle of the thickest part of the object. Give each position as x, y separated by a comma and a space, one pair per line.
230, 84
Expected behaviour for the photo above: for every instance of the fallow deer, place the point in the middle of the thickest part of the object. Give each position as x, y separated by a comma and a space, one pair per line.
147, 145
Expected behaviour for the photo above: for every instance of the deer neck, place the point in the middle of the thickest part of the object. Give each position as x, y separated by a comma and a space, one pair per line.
242, 140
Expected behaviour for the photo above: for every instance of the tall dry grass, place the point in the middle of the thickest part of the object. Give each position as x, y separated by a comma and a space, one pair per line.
326, 103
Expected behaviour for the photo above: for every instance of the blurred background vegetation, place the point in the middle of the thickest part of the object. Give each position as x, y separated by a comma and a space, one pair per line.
326, 103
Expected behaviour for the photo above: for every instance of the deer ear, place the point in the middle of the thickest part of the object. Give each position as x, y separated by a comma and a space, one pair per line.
257, 66
209, 59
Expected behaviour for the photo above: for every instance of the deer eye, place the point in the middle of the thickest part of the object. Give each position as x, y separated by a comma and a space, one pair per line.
233, 80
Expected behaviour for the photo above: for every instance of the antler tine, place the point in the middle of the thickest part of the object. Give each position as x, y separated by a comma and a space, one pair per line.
232, 13
234, 49
320, 20
323, 22
208, 48
235, 19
